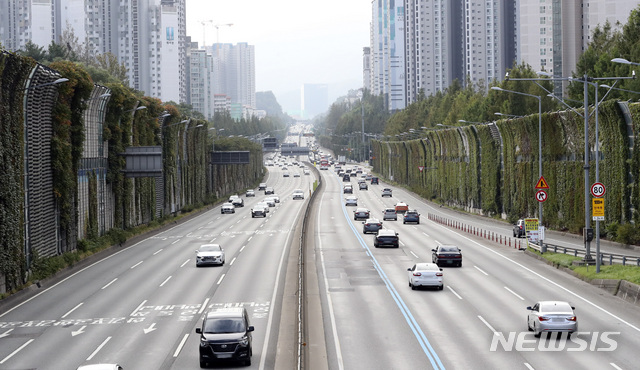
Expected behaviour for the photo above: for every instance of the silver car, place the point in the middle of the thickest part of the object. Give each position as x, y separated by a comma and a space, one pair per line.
227, 208
425, 274
209, 254
351, 201
552, 316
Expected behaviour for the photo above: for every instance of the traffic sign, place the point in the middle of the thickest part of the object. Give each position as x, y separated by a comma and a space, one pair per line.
598, 189
541, 196
542, 183
421, 168
597, 207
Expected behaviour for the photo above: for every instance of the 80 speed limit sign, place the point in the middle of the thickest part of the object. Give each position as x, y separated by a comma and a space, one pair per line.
598, 190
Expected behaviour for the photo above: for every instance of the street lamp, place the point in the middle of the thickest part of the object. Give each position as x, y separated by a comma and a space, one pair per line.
361, 95
60, 80
441, 125
542, 247
507, 115
470, 122
624, 61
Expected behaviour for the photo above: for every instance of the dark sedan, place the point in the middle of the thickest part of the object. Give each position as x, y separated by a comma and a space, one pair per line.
361, 213
371, 225
447, 255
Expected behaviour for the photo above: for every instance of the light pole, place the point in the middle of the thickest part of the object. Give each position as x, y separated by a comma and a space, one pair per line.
361, 96
470, 122
507, 115
541, 226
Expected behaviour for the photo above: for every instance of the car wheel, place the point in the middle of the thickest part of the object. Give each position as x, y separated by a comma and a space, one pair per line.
459, 264
413, 287
417, 222
528, 326
536, 333
441, 287
247, 362
203, 364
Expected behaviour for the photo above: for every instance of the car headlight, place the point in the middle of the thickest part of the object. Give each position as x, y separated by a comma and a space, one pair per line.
203, 342
244, 341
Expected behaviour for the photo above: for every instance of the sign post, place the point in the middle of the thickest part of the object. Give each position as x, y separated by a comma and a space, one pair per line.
541, 196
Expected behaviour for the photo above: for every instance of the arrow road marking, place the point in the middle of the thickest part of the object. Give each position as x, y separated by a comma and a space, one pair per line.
150, 328
79, 331
6, 333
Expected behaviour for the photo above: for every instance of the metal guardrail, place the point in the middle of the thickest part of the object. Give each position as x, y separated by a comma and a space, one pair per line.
611, 258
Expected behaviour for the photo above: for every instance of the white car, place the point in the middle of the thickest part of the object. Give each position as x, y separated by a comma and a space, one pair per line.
209, 254
270, 201
227, 208
263, 205
259, 211
232, 197
351, 200
250, 193
237, 202
298, 194
275, 198
425, 274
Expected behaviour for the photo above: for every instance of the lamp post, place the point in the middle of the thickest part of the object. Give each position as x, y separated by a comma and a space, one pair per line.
361, 95
507, 115
541, 226
470, 122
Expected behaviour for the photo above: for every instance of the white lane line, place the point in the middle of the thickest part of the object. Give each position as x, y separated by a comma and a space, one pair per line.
437, 242
478, 268
185, 262
99, 348
138, 308
220, 280
111, 282
615, 366
415, 255
16, 351
73, 309
232, 261
177, 240
250, 238
241, 249
401, 243
425, 234
528, 366
182, 343
157, 252
454, 292
204, 306
514, 293
212, 240
487, 324
165, 281
137, 264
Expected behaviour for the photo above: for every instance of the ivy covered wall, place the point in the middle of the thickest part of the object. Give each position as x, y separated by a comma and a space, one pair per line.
495, 173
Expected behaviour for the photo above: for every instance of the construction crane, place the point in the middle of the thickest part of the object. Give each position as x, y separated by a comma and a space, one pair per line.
217, 26
204, 32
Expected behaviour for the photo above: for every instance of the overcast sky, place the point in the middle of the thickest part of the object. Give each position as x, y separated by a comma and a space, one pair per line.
296, 41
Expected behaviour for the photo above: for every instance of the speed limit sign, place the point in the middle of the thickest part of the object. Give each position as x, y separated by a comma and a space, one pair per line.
598, 190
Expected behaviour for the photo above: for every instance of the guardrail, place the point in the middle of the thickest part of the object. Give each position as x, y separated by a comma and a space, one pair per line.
611, 258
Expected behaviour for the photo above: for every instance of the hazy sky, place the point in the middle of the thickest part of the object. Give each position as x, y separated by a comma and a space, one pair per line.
296, 41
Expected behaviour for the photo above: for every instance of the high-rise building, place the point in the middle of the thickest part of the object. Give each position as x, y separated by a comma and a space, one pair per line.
315, 100
200, 80
147, 36
552, 34
235, 72
366, 67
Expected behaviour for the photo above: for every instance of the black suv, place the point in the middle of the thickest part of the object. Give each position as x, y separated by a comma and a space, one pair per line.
386, 237
518, 229
225, 335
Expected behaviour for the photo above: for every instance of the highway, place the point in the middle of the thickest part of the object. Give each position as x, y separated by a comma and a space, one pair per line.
140, 306
372, 319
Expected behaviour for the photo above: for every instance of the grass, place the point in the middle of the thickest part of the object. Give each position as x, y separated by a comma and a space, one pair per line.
630, 273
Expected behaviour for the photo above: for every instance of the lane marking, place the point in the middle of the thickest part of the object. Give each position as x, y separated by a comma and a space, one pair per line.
111, 282
16, 351
488, 325
160, 250
165, 281
204, 306
615, 366
232, 261
478, 268
528, 366
454, 292
73, 309
415, 255
99, 348
220, 280
177, 240
138, 308
212, 240
514, 293
182, 343
137, 264
185, 262
241, 249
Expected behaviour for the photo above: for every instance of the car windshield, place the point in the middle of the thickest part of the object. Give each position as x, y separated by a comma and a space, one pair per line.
210, 248
221, 326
